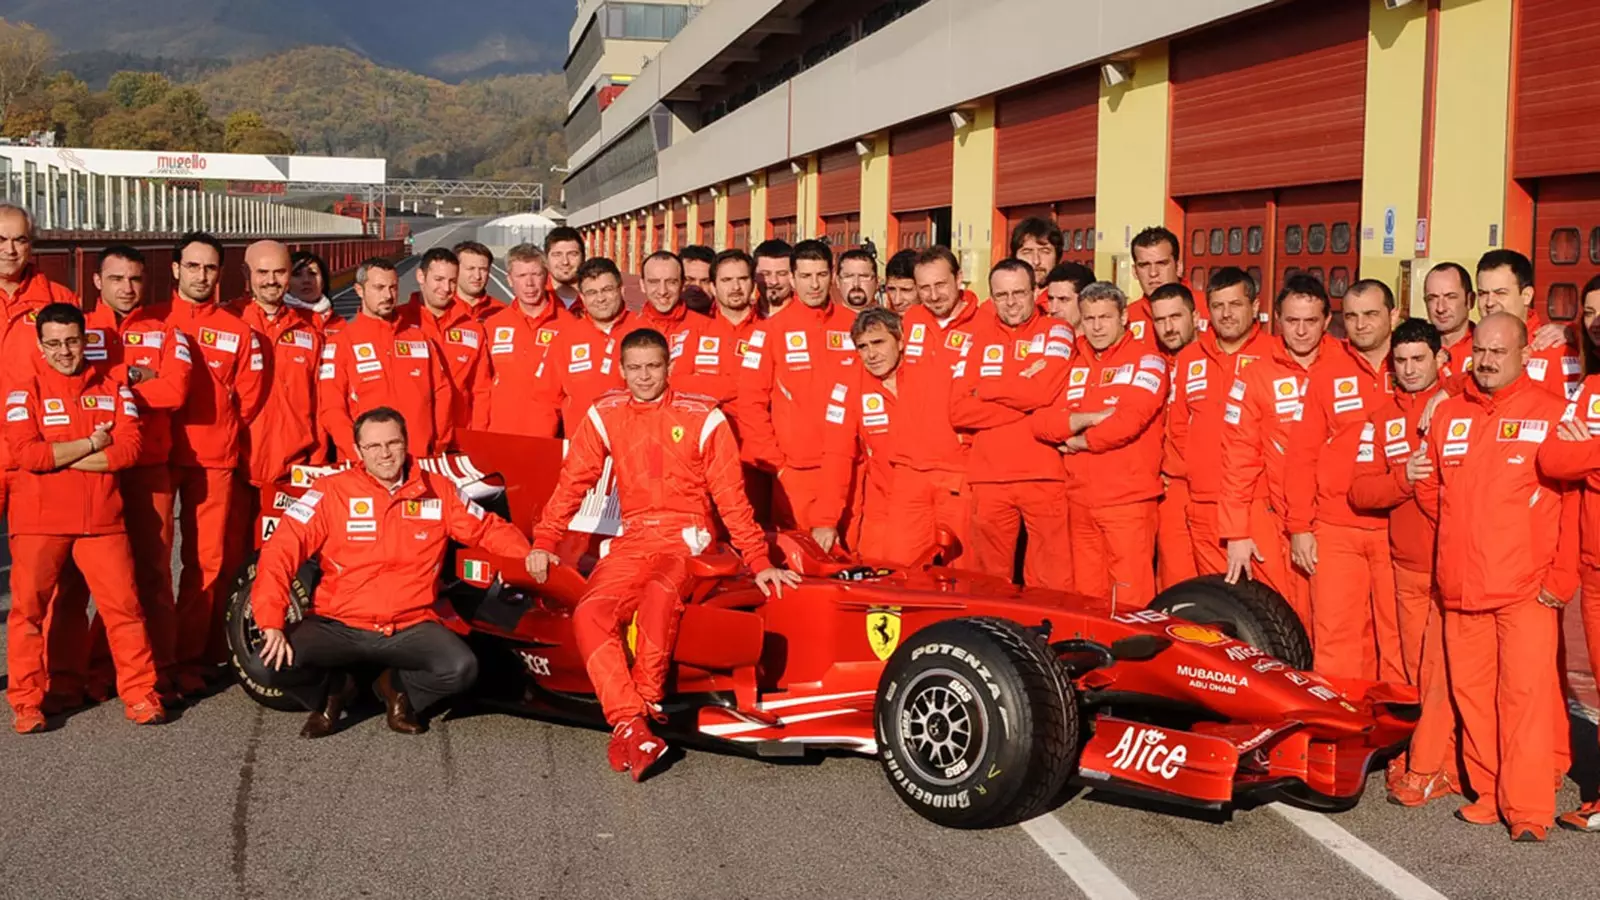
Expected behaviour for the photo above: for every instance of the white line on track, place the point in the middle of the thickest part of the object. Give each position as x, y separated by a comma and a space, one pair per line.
503, 284
1079, 862
1379, 868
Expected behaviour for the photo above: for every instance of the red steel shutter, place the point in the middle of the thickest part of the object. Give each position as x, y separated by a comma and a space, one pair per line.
1558, 66
1566, 243
680, 234
1279, 102
839, 186
658, 230
1227, 230
921, 165
783, 229
842, 231
782, 192
708, 209
1317, 236
1046, 140
738, 199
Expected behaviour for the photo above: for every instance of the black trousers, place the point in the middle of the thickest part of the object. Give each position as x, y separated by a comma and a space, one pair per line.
431, 661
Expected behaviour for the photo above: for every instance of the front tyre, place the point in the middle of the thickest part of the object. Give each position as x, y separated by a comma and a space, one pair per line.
1251, 611
244, 638
977, 726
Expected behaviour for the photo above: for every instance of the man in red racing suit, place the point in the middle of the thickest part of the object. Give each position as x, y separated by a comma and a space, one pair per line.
668, 452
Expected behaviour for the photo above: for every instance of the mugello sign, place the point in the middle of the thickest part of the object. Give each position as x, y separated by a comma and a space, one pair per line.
209, 166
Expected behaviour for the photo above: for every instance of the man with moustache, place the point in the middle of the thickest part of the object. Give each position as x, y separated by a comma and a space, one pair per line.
563, 248
697, 290
858, 279
1172, 312
774, 276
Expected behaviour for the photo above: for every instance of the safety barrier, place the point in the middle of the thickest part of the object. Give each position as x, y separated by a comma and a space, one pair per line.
71, 259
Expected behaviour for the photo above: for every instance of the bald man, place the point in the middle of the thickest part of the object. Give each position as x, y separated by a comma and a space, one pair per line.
1507, 563
285, 432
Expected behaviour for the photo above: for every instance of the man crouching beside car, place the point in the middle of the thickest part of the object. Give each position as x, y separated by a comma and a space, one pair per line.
381, 529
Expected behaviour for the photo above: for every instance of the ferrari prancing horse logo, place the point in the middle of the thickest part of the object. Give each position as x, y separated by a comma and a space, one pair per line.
883, 631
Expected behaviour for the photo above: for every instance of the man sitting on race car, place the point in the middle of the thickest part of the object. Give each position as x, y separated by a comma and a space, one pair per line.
381, 529
668, 452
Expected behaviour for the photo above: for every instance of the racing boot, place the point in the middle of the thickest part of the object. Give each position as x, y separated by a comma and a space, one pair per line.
617, 749
27, 720
147, 712
1415, 789
397, 706
1584, 818
323, 722
644, 748
1482, 812
1529, 833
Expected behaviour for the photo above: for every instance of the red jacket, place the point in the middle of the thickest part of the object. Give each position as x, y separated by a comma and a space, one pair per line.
1141, 321
384, 362
36, 291
209, 430
381, 550
669, 457
582, 363
49, 408
463, 341
708, 361
1379, 484
796, 359
1268, 397
286, 431
1583, 466
517, 346
1501, 531
928, 338
1459, 364
1123, 461
19, 341
1203, 375
483, 308
1557, 369
1005, 374
1342, 393
144, 338
675, 322
908, 427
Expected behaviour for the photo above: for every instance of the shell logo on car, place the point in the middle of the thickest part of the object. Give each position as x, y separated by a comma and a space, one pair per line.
1204, 635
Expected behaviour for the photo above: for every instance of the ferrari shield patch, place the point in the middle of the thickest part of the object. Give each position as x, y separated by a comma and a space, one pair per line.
677, 434
883, 631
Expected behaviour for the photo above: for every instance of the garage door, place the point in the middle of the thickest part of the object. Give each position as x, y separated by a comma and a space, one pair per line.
783, 194
839, 182
785, 229
1272, 100
739, 235
680, 233
739, 213
921, 165
658, 231
916, 230
1566, 243
1075, 218
843, 231
1558, 64
1316, 236
1227, 230
708, 219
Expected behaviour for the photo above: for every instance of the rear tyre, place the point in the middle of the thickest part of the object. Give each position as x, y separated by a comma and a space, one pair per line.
977, 726
244, 638
1249, 610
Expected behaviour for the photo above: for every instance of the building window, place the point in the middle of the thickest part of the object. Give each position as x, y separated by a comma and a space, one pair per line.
644, 21
1562, 303
1564, 246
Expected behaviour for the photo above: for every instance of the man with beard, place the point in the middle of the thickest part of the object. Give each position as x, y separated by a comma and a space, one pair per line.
1355, 627
858, 279
939, 328
563, 248
474, 264
1172, 312
774, 276
697, 290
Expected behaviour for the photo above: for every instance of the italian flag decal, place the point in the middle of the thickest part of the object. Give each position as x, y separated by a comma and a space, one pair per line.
472, 570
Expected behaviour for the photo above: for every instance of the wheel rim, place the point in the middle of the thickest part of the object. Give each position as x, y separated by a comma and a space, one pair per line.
943, 726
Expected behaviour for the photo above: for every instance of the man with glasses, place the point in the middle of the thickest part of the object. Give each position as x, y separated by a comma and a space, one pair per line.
581, 363
858, 280
71, 426
381, 530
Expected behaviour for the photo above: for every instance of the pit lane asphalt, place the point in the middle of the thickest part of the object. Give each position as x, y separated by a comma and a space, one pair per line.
228, 802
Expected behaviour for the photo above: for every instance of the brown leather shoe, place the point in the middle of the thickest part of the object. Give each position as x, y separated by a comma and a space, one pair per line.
397, 707
325, 721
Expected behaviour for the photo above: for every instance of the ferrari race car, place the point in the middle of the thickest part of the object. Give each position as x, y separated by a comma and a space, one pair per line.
980, 699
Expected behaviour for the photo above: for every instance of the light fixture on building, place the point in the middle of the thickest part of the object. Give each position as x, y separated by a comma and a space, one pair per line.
796, 168
683, 201
863, 148
661, 206
750, 181
1396, 4
1117, 71
958, 119
716, 191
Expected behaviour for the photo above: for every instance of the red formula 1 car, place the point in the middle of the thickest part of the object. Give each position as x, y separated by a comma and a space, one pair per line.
980, 699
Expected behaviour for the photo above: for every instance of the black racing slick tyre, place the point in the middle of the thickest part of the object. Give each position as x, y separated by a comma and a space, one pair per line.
977, 726
1249, 610
244, 638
